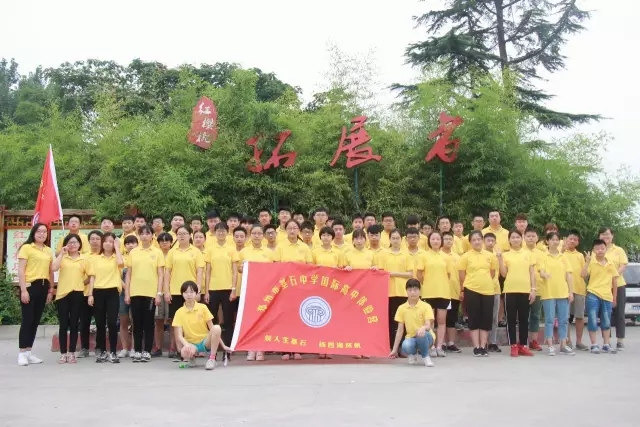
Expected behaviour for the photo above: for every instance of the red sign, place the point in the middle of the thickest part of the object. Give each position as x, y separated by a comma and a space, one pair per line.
299, 308
444, 148
255, 164
358, 136
204, 123
48, 208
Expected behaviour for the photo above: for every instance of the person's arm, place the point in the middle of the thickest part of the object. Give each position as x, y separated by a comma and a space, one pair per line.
502, 265
396, 341
159, 292
179, 336
166, 281
55, 265
22, 280
569, 278
532, 279
92, 280
207, 278
462, 275
199, 278
127, 286
119, 257
405, 275
614, 290
234, 280
51, 285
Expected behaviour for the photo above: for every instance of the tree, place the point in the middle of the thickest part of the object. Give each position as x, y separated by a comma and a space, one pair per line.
518, 35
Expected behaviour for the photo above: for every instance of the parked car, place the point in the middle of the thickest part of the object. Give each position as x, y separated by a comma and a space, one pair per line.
632, 277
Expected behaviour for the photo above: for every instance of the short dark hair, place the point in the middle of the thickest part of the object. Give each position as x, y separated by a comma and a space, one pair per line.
412, 231
196, 218
478, 233
221, 226
337, 221
162, 237
521, 217
368, 214
327, 230
359, 233
177, 214
269, 227
107, 218
131, 239
213, 215
189, 284
387, 214
530, 229
575, 233
73, 236
92, 232
128, 218
489, 236
412, 220
284, 208
267, 210
413, 284
141, 215
598, 242
157, 217
307, 225
74, 216
321, 209
240, 230
234, 215
357, 216
374, 229
247, 220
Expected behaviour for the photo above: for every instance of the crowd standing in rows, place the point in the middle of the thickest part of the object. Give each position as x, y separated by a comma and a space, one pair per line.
490, 278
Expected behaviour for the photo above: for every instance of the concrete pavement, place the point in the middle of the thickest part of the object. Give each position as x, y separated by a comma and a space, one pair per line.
584, 390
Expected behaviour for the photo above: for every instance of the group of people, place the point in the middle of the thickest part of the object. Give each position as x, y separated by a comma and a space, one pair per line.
149, 278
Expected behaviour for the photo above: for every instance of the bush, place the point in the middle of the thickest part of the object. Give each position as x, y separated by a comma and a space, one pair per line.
10, 312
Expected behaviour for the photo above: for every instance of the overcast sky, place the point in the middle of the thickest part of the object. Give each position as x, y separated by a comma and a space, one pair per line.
290, 38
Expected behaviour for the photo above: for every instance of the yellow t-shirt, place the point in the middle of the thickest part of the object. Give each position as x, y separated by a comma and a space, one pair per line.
618, 256
576, 260
144, 264
478, 266
72, 274
518, 263
359, 258
414, 317
601, 279
183, 265
251, 254
422, 242
466, 245
502, 237
107, 272
454, 278
397, 262
385, 241
293, 252
38, 262
458, 245
538, 257
327, 257
556, 286
418, 260
123, 249
193, 322
281, 236
86, 248
221, 259
437, 271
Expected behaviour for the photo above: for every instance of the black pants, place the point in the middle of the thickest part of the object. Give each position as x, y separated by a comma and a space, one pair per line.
106, 303
517, 307
394, 303
618, 320
221, 298
32, 312
69, 308
86, 312
142, 314
452, 314
479, 310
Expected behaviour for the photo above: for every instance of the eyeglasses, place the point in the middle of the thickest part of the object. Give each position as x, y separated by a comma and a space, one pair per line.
182, 234
257, 233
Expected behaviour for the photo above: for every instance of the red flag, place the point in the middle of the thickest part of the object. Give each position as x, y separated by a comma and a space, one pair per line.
298, 308
48, 207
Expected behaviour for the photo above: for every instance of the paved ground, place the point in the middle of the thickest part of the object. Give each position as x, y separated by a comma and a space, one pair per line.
585, 390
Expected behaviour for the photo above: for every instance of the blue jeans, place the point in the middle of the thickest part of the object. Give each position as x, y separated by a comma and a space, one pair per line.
411, 346
597, 307
556, 308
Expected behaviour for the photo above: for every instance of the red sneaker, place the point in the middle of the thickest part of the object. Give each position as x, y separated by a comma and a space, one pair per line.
514, 350
533, 345
524, 351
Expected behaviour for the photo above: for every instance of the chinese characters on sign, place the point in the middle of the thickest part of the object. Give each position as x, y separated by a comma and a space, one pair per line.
355, 150
15, 239
445, 149
255, 164
204, 124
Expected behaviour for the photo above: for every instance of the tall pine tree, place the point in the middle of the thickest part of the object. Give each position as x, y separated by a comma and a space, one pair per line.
517, 35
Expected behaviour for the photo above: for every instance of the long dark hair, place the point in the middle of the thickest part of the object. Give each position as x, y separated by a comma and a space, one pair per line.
32, 234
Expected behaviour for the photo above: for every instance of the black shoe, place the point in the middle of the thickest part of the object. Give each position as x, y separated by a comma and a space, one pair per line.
493, 348
113, 358
477, 352
101, 357
502, 324
453, 349
484, 352
156, 353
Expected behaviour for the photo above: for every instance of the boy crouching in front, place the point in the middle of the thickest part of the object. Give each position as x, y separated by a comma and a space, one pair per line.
194, 329
416, 316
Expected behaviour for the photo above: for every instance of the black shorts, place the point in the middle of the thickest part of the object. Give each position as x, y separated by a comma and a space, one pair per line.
452, 314
438, 303
177, 301
479, 310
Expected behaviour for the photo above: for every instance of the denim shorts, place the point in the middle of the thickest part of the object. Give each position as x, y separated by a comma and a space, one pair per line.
124, 308
597, 307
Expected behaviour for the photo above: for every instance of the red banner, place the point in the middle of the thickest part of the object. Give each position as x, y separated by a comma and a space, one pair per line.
298, 308
204, 124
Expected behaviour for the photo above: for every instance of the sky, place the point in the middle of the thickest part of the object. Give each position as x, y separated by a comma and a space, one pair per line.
290, 38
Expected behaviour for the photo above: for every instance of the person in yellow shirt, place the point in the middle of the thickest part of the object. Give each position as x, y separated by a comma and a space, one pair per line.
444, 226
436, 290
359, 257
543, 245
124, 310
556, 295
320, 218
199, 241
213, 219
388, 225
73, 266
73, 226
106, 294
490, 246
454, 284
221, 280
298, 217
264, 217
143, 291
416, 318
194, 330
426, 229
35, 278
477, 223
271, 237
374, 234
239, 238
518, 268
521, 223
531, 239
177, 221
106, 224
164, 241
233, 222
247, 222
327, 255
502, 234
411, 239
157, 225
601, 294
399, 265
196, 224
307, 234
458, 232
339, 238
95, 242
284, 215
254, 252
477, 269
357, 223
576, 260
128, 229
413, 222
618, 256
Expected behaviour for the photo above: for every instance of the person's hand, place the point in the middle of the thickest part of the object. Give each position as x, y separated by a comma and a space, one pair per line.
158, 300
421, 332
461, 296
615, 302
226, 348
232, 296
498, 253
24, 296
90, 300
188, 351
570, 297
127, 299
206, 297
348, 268
532, 297
587, 257
393, 354
167, 298
65, 250
49, 297
545, 275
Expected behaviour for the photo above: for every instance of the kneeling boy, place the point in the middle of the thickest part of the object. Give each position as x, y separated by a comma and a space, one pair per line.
194, 330
416, 316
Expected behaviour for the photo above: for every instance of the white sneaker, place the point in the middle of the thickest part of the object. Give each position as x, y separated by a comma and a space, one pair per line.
23, 360
440, 352
33, 360
251, 355
551, 351
427, 362
413, 359
210, 365
432, 352
123, 354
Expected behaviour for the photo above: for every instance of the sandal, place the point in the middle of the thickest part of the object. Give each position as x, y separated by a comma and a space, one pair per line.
71, 359
63, 359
